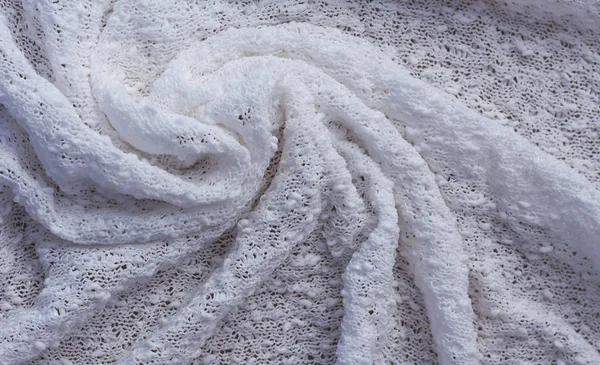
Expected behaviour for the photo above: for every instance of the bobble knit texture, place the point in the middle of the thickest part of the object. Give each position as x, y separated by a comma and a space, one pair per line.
299, 182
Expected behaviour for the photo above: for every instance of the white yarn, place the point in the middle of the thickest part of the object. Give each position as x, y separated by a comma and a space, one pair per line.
235, 182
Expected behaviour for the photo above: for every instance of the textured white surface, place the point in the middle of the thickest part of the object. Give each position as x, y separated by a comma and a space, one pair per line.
299, 183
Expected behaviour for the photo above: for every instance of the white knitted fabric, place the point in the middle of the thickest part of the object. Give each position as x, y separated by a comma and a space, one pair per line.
299, 182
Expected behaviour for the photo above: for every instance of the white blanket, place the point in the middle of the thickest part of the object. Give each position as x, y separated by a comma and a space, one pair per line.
236, 182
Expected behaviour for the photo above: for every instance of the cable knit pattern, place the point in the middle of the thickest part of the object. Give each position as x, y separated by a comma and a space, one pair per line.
235, 182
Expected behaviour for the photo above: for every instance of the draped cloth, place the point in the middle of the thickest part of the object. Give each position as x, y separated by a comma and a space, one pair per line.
235, 182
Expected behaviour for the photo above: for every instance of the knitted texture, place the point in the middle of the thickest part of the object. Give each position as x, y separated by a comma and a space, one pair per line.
313, 182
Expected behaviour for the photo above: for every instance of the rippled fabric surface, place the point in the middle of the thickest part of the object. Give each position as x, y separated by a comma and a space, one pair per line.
303, 183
